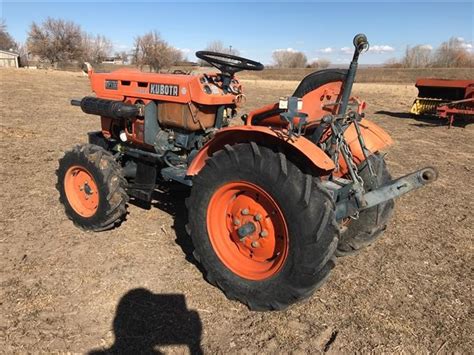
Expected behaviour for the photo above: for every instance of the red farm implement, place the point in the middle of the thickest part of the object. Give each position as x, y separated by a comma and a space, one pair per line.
446, 99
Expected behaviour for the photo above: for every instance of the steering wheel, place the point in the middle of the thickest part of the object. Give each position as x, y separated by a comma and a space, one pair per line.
228, 63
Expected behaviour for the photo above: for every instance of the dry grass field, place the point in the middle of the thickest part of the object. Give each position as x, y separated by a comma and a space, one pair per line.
369, 75
364, 74
137, 288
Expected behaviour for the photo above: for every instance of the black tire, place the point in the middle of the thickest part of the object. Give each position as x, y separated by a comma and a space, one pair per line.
308, 210
319, 78
106, 172
372, 222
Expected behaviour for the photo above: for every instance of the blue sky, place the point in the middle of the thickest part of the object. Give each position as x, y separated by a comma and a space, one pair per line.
319, 29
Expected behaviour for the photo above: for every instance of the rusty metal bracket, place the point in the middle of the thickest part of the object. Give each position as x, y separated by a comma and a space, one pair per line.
349, 206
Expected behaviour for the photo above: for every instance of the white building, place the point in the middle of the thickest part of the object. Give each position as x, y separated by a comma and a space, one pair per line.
113, 60
9, 59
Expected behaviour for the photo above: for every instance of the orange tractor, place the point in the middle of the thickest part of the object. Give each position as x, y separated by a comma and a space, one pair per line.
272, 201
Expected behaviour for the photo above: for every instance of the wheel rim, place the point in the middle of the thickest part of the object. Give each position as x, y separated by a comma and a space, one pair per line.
81, 191
247, 230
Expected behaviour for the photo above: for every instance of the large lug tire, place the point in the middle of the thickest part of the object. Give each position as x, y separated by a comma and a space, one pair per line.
372, 222
92, 188
264, 231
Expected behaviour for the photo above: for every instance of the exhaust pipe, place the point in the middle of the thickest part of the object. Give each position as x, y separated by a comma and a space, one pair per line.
106, 108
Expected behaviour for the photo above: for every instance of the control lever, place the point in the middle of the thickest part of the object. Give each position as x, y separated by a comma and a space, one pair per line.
361, 44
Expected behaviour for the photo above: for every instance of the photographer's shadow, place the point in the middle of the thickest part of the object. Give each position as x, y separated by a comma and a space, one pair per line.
144, 321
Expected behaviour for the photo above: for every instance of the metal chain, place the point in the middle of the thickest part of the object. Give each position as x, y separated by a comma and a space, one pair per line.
348, 152
342, 144
336, 153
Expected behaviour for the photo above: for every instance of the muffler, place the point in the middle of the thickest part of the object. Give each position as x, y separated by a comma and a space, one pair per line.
106, 108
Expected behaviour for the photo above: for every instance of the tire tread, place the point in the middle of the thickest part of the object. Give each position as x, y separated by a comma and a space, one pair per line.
310, 202
104, 163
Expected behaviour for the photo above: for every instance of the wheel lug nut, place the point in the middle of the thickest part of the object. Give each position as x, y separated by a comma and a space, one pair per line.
236, 222
255, 244
245, 211
263, 233
258, 217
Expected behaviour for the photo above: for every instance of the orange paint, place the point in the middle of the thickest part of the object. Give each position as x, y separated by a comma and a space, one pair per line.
189, 91
81, 191
136, 84
263, 250
236, 134
316, 104
375, 138
133, 85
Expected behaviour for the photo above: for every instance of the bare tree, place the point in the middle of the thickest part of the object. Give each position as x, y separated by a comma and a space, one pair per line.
123, 55
319, 64
152, 50
96, 48
418, 56
393, 63
219, 47
56, 40
6, 41
453, 53
288, 58
24, 55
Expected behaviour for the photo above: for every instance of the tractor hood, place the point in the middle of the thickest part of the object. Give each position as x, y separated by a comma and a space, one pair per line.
202, 89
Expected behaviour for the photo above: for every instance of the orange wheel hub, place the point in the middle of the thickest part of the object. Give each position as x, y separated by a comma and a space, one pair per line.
247, 230
81, 191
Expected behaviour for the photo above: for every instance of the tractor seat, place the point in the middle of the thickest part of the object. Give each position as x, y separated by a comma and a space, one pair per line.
309, 83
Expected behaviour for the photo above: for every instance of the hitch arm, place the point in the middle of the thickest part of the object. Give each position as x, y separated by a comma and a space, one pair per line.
395, 188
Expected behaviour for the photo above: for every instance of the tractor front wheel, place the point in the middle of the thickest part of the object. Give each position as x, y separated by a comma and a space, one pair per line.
263, 230
92, 188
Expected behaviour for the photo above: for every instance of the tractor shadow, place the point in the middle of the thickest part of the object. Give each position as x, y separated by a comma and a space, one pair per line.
169, 198
144, 320
427, 121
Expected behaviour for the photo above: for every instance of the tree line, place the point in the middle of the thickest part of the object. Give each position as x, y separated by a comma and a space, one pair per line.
57, 41
289, 58
453, 53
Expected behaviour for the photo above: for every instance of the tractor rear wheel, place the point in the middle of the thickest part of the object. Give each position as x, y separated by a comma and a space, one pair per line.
264, 231
372, 222
92, 188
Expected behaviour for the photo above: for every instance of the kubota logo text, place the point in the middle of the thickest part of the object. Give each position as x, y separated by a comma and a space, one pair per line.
164, 89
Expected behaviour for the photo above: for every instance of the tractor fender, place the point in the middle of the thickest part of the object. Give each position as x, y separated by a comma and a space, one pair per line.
375, 138
272, 137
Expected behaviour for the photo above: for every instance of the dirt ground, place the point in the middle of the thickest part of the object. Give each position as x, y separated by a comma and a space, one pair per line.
137, 288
